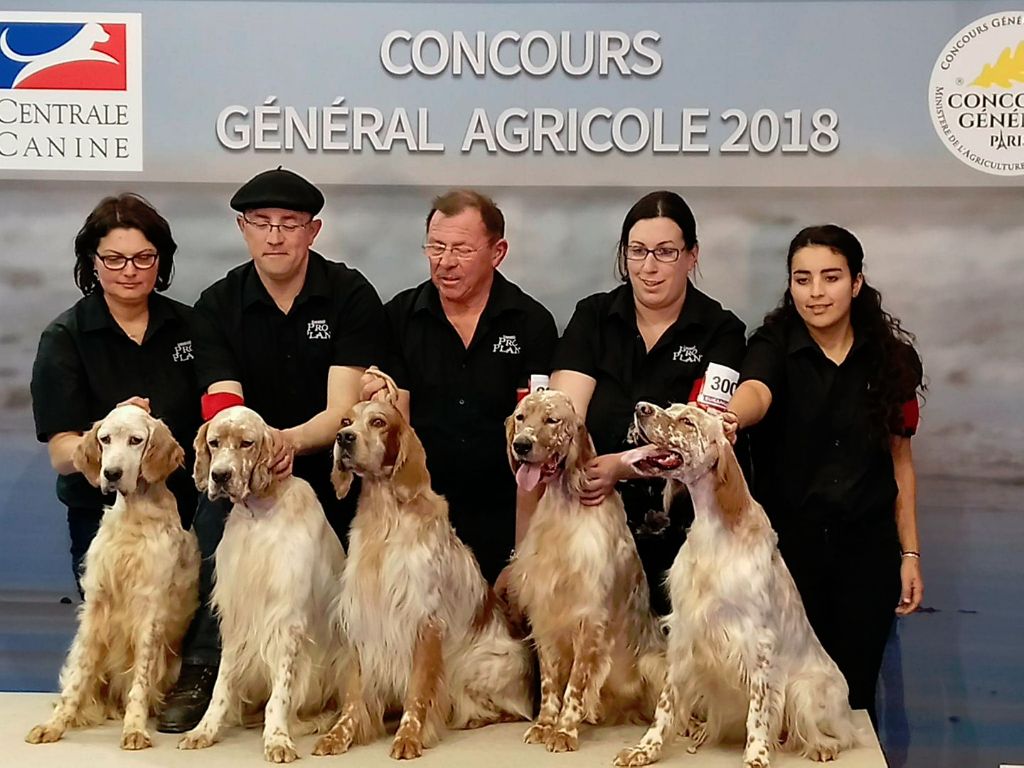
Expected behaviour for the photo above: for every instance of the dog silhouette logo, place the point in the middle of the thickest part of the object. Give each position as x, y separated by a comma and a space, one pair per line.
62, 56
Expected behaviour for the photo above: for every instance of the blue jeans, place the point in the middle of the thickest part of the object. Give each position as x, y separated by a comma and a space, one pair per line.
83, 522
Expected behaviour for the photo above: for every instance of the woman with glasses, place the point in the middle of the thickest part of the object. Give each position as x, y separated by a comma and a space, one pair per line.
122, 342
652, 339
831, 381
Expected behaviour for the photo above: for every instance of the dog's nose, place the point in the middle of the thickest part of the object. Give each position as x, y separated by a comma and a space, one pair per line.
346, 438
522, 445
644, 409
221, 476
113, 475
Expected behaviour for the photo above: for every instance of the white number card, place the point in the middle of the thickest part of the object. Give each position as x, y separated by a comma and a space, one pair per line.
720, 382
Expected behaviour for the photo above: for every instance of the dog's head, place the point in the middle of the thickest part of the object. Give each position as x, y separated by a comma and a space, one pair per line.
681, 442
126, 448
377, 443
545, 437
233, 454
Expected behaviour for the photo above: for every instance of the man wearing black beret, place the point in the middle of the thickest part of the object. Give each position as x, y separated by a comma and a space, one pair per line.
289, 334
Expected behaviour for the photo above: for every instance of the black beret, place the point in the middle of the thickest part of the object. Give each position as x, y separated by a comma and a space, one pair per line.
278, 188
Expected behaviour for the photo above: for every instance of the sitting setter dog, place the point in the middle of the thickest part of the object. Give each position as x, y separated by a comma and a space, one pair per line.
578, 578
276, 581
425, 627
742, 657
140, 583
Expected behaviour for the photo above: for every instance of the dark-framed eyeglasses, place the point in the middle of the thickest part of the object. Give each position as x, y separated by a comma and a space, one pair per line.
117, 262
285, 228
661, 253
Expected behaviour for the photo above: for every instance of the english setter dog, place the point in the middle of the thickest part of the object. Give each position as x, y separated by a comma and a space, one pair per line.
140, 583
276, 576
579, 580
426, 628
742, 657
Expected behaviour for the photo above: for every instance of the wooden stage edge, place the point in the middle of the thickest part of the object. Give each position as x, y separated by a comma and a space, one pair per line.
496, 746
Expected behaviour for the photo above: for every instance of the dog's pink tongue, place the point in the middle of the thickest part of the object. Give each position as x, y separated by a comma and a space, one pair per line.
527, 476
636, 455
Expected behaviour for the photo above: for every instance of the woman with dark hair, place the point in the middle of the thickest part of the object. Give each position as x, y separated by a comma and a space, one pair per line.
653, 338
831, 379
122, 342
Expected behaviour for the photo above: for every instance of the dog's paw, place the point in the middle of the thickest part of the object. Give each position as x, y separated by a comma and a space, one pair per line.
698, 735
755, 755
632, 756
195, 740
563, 741
822, 753
133, 740
44, 734
537, 734
406, 747
332, 744
280, 749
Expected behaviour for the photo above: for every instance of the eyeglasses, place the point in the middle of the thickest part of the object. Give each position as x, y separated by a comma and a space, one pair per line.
285, 228
139, 261
664, 255
436, 251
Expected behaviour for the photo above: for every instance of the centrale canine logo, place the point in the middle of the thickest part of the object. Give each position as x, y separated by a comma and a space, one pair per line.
70, 91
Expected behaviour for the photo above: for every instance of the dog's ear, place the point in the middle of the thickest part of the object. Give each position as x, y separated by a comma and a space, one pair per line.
163, 454
88, 456
201, 470
581, 452
510, 434
409, 476
730, 487
262, 479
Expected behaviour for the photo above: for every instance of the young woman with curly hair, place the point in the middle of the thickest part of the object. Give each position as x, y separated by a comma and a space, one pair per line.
831, 381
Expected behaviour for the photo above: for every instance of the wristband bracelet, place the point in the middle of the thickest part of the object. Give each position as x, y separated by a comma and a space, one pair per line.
911, 553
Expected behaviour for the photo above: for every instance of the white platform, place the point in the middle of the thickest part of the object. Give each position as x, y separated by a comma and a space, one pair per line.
497, 746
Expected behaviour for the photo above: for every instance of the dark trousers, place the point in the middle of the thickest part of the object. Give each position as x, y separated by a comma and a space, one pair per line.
83, 522
849, 580
202, 641
658, 536
657, 553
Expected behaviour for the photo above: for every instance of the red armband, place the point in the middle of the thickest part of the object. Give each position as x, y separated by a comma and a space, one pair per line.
911, 417
217, 402
698, 385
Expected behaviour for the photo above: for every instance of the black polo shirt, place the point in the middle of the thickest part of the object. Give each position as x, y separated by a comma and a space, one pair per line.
86, 364
282, 360
816, 460
603, 341
461, 396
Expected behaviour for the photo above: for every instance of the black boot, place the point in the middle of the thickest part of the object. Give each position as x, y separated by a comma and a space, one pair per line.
186, 703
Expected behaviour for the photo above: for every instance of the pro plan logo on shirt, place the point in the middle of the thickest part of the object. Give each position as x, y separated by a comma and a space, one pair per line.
318, 329
507, 345
182, 352
687, 354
